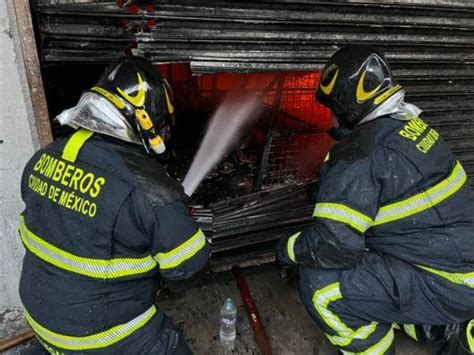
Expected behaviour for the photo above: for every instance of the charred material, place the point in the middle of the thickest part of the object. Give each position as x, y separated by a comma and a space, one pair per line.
254, 222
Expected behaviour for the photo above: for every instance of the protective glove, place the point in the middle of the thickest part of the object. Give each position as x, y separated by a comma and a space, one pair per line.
289, 274
177, 288
282, 252
285, 267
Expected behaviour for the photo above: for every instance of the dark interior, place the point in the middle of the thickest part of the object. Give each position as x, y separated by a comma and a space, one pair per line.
242, 202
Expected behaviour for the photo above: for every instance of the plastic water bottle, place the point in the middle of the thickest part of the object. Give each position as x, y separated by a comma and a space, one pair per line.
228, 320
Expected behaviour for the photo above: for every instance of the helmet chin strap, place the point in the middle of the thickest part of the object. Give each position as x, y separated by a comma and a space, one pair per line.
154, 140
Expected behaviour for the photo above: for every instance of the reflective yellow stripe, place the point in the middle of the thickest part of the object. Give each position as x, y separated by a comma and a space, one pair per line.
423, 200
48, 347
410, 330
327, 157
94, 341
344, 214
181, 253
470, 338
290, 245
465, 279
75, 143
112, 98
379, 99
362, 333
95, 268
321, 299
345, 335
382, 346
379, 348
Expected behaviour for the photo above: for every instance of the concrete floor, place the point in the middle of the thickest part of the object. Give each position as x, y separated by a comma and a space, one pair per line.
289, 329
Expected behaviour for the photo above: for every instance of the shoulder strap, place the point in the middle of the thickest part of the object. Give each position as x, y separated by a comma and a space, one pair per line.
75, 143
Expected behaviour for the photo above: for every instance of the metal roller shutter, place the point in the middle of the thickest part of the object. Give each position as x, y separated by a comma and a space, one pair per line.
430, 44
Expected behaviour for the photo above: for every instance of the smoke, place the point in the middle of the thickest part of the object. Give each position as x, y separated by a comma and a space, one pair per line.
225, 130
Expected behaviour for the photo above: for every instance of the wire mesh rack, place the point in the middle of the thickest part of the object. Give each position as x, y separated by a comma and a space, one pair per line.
296, 142
294, 156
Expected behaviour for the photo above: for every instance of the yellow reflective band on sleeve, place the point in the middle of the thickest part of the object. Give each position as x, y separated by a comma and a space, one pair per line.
410, 330
290, 245
423, 200
75, 143
345, 335
94, 341
95, 268
180, 254
327, 157
341, 213
465, 279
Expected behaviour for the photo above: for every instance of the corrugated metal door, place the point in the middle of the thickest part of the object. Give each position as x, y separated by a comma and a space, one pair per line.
430, 44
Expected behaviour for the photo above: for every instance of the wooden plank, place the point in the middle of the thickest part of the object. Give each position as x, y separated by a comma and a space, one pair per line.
33, 71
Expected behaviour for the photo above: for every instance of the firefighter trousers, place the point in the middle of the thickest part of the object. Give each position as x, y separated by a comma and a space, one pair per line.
359, 308
158, 337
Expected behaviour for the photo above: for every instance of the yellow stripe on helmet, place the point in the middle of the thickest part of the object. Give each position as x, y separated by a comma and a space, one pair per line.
167, 88
327, 89
139, 99
361, 94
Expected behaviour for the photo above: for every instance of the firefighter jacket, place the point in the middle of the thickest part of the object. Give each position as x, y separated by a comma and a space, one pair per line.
103, 223
391, 187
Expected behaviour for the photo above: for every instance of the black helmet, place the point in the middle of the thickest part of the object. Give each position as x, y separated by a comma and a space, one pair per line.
143, 97
355, 81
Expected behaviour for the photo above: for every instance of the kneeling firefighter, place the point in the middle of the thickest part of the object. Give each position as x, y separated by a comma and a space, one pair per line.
104, 223
392, 243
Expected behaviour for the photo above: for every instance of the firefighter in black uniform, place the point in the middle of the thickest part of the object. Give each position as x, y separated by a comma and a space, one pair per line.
104, 223
392, 243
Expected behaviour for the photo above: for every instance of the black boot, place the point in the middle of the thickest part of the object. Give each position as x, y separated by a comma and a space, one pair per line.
462, 342
451, 339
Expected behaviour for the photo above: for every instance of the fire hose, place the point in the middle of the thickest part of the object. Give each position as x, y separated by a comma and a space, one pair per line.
262, 340
16, 340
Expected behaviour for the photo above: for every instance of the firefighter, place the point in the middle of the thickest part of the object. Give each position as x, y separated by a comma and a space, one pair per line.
392, 242
104, 223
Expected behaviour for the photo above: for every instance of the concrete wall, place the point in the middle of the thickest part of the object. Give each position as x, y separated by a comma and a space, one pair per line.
18, 141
